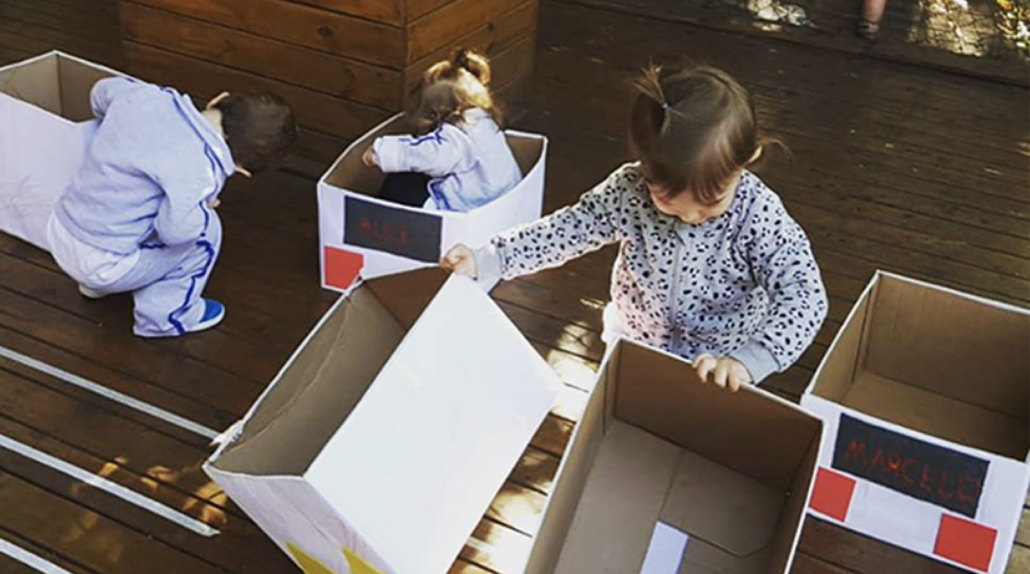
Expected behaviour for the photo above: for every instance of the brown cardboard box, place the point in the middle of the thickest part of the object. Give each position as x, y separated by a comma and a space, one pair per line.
926, 397
383, 440
731, 471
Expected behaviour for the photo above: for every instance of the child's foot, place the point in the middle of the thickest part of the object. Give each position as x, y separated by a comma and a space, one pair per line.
868, 30
91, 293
214, 312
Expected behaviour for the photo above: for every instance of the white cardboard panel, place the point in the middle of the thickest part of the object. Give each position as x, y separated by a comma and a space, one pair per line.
522, 204
450, 416
902, 520
40, 153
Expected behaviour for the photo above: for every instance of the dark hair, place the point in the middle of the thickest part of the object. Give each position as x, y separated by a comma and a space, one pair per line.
259, 127
692, 128
449, 88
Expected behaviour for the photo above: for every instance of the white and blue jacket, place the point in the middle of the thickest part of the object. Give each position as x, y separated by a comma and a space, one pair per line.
470, 162
152, 168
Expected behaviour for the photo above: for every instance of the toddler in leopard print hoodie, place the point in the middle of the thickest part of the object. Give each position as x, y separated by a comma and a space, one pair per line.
710, 266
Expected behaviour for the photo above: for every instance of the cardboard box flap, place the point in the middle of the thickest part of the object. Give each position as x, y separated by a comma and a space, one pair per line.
407, 295
938, 415
620, 503
721, 507
438, 431
76, 80
349, 171
656, 388
316, 390
925, 336
55, 82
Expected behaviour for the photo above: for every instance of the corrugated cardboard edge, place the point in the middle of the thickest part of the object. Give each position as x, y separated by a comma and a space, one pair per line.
65, 55
236, 429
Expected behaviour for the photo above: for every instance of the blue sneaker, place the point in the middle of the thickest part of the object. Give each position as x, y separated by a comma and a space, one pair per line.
214, 312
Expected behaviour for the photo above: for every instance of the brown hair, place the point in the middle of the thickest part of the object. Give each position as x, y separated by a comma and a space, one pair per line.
449, 88
692, 129
259, 128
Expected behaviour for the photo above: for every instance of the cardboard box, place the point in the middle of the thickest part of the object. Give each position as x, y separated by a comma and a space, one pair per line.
667, 475
363, 236
926, 396
46, 123
382, 442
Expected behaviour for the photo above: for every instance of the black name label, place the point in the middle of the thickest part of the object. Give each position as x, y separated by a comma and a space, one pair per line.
398, 231
925, 471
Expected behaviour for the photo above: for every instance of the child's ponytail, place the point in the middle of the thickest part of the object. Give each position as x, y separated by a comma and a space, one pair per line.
451, 87
472, 62
649, 86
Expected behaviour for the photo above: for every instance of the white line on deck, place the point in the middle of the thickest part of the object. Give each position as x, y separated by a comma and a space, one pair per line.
96, 388
34, 561
104, 484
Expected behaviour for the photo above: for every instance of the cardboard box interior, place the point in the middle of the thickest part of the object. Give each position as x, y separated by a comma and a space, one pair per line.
350, 172
733, 474
936, 362
331, 374
56, 83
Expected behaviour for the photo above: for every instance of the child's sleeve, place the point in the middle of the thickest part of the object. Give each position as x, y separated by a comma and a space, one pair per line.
105, 91
445, 151
573, 231
782, 262
183, 215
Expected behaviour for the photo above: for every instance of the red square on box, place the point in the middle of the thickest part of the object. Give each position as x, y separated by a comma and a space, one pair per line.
342, 267
965, 542
832, 493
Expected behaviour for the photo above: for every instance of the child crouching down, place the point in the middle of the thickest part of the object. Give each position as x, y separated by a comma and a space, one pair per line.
710, 266
139, 216
458, 158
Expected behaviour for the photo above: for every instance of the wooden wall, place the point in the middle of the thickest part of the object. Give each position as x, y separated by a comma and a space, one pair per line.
344, 65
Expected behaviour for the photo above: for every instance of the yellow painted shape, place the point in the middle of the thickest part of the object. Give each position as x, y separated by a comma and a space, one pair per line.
307, 563
357, 564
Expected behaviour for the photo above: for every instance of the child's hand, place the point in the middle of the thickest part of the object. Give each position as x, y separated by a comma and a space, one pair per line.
214, 203
461, 260
724, 370
369, 158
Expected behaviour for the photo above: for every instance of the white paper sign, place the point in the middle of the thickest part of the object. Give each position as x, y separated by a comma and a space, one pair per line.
665, 553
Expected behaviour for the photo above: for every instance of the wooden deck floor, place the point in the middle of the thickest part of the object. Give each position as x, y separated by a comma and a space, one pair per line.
896, 166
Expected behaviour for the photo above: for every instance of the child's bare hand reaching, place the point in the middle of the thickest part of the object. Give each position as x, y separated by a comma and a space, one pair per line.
724, 371
461, 260
369, 158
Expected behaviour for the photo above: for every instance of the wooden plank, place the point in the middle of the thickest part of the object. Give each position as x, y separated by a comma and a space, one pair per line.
386, 11
1023, 534
315, 111
493, 37
743, 25
331, 32
456, 19
84, 536
1019, 563
239, 543
336, 76
863, 555
11, 566
419, 8
138, 357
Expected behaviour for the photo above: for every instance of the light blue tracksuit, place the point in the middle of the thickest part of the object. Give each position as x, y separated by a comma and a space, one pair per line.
136, 216
469, 162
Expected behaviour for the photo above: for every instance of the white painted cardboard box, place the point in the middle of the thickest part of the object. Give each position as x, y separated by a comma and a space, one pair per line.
364, 236
926, 396
667, 475
380, 445
46, 123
